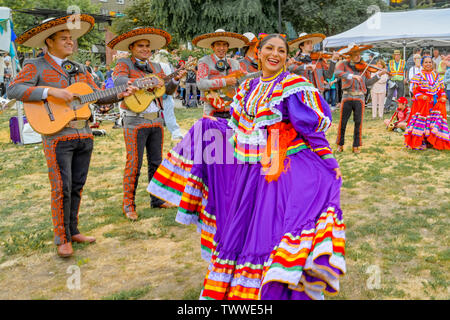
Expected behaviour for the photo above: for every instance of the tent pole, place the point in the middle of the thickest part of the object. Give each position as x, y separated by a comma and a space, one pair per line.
404, 50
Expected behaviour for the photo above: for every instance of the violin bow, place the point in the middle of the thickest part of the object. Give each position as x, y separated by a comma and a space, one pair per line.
368, 64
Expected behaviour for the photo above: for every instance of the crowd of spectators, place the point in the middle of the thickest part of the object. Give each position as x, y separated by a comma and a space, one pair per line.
378, 93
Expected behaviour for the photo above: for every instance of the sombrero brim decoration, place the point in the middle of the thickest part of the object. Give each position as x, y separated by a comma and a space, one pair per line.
158, 38
314, 37
35, 37
235, 40
353, 48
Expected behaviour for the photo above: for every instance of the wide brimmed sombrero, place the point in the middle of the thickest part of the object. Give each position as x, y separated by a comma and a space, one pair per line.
353, 48
35, 37
158, 38
302, 37
235, 40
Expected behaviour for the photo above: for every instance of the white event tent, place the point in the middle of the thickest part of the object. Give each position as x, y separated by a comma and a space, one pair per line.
414, 28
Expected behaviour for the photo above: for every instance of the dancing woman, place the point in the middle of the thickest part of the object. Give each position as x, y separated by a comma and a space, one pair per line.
268, 208
427, 125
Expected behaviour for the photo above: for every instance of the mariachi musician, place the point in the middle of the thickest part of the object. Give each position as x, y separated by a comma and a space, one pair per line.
356, 78
68, 152
249, 62
142, 130
213, 70
311, 65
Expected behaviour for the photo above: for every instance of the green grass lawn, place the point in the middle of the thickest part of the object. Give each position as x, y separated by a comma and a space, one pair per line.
395, 202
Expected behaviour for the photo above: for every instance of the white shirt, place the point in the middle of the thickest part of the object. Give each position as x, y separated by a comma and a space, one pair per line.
412, 72
437, 60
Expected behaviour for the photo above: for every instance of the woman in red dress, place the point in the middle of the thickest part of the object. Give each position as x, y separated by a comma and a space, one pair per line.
427, 124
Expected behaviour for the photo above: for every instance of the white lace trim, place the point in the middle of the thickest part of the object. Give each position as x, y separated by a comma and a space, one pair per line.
257, 137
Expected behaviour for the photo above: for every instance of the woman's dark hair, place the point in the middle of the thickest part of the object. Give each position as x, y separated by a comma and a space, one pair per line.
271, 36
245, 50
423, 59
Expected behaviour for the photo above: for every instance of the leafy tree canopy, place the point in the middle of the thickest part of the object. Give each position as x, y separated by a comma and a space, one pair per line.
329, 16
185, 19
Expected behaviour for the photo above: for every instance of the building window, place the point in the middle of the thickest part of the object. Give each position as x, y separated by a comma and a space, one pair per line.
103, 0
121, 1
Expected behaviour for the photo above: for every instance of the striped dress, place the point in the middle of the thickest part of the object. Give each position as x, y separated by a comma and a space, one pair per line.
262, 190
427, 123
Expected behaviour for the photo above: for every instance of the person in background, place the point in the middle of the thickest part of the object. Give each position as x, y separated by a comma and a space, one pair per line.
7, 73
109, 72
378, 92
427, 124
447, 77
182, 85
410, 62
436, 58
88, 67
339, 88
40, 53
330, 93
2, 74
100, 79
415, 69
441, 68
5, 79
169, 113
397, 70
191, 85
400, 118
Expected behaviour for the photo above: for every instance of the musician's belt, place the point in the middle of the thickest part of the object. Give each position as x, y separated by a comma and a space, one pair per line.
148, 115
353, 93
77, 124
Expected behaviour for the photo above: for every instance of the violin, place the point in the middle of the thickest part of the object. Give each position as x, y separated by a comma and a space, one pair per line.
314, 56
364, 66
303, 59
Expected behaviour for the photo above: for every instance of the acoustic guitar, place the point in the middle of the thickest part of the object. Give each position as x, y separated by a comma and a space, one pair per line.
141, 99
50, 116
223, 97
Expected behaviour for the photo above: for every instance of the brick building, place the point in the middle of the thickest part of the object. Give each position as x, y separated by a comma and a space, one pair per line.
114, 8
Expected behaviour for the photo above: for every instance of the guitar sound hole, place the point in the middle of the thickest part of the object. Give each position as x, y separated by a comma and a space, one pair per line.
76, 102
